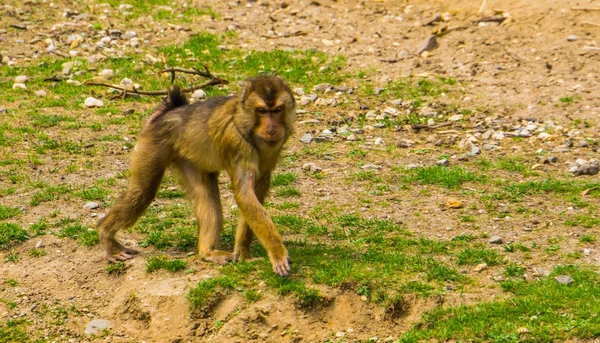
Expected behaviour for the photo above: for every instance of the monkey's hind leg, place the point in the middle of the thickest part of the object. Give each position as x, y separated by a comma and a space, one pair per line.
204, 189
147, 169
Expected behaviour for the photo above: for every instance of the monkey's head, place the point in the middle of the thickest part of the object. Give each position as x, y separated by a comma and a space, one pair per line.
269, 109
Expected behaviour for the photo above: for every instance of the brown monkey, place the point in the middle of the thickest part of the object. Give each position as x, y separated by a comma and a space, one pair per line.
241, 134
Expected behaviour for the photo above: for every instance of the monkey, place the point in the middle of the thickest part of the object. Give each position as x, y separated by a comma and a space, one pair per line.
241, 134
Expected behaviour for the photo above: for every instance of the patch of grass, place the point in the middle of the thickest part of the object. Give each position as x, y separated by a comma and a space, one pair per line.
478, 254
587, 239
515, 165
49, 194
516, 191
514, 270
569, 99
542, 310
9, 212
12, 282
449, 177
38, 252
13, 330
11, 234
288, 191
200, 295
85, 236
283, 179
12, 257
116, 269
163, 262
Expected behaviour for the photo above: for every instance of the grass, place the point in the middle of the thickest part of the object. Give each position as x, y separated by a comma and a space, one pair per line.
11, 234
163, 262
537, 311
449, 177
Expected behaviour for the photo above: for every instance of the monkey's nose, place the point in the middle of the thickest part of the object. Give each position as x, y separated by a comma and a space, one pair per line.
271, 132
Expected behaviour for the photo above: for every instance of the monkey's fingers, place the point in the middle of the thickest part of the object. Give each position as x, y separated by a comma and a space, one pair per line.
282, 268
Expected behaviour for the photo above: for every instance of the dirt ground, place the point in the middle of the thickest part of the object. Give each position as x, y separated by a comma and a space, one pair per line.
512, 71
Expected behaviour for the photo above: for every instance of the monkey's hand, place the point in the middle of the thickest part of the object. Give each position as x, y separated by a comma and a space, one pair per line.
281, 263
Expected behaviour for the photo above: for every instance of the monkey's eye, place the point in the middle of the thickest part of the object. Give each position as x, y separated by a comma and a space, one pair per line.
278, 109
261, 110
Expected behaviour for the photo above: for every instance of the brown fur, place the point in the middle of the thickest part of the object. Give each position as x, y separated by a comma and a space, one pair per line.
242, 135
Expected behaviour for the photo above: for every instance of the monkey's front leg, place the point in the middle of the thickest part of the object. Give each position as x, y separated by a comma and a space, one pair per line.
255, 215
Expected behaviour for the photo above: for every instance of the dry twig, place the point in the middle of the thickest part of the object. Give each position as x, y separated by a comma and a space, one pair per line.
213, 80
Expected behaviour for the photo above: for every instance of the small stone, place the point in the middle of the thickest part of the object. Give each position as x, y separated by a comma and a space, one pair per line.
307, 138
496, 240
588, 169
351, 137
396, 102
298, 91
443, 162
41, 93
93, 102
370, 166
378, 141
405, 143
39, 244
90, 206
19, 86
340, 334
544, 136
198, 94
364, 298
129, 35
321, 88
572, 38
3, 110
564, 279
480, 267
311, 168
107, 74
583, 143
454, 203
475, 150
542, 271
96, 326
21, 79
456, 117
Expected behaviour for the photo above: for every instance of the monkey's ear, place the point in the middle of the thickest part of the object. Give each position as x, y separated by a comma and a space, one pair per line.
246, 86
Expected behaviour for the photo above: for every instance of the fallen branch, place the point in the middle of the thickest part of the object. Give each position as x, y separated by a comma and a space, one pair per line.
430, 127
585, 8
163, 92
213, 80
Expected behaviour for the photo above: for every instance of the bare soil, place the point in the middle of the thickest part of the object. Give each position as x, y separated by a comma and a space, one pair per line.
512, 71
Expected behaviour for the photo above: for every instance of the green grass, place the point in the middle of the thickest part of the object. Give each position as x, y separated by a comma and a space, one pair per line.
515, 191
537, 311
84, 235
283, 179
11, 234
13, 330
116, 269
9, 212
163, 262
449, 177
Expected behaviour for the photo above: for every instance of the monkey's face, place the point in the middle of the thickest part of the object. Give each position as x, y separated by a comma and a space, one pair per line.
270, 103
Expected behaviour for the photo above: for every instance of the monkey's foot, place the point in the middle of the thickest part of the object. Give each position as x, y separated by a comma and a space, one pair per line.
118, 253
218, 257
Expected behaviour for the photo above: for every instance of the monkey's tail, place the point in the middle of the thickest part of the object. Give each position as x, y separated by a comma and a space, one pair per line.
174, 99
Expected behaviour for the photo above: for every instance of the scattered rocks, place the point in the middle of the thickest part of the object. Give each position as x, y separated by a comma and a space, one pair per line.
480, 267
19, 86
456, 117
307, 138
91, 206
583, 167
96, 326
198, 95
564, 279
21, 79
572, 38
107, 74
370, 166
496, 240
311, 168
542, 271
475, 150
41, 93
92, 102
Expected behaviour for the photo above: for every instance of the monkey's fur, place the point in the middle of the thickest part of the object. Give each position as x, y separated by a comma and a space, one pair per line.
242, 135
